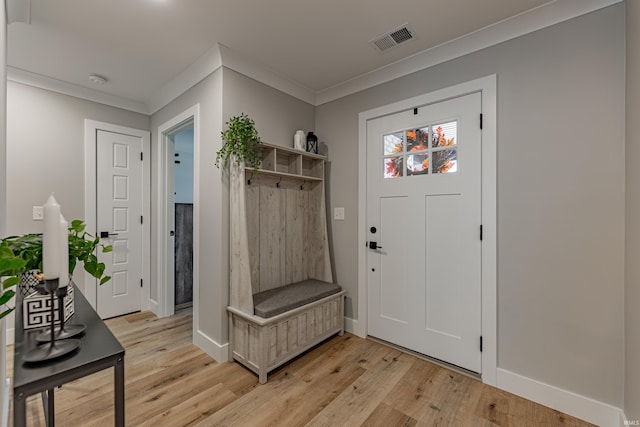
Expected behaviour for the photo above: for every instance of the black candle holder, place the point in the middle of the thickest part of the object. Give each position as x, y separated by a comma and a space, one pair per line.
63, 331
53, 349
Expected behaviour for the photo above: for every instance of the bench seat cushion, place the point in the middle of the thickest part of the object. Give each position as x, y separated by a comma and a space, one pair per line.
279, 300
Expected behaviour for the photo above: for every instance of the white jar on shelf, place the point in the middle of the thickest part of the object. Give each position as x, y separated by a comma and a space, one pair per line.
300, 140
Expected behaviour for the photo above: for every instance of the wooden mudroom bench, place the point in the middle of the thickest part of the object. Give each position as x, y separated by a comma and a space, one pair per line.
295, 318
282, 299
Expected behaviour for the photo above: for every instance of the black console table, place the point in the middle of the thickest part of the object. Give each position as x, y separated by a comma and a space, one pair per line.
98, 350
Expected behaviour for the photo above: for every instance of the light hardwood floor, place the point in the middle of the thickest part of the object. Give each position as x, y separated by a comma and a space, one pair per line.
347, 381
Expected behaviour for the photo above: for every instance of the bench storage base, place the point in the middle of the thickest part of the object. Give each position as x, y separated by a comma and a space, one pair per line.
262, 344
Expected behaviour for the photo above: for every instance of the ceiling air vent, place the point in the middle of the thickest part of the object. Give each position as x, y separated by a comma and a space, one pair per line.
392, 39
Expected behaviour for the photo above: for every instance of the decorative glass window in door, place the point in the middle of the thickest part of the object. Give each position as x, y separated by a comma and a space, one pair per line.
424, 151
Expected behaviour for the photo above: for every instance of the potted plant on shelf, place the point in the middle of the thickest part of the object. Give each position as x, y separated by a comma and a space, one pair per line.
21, 254
241, 143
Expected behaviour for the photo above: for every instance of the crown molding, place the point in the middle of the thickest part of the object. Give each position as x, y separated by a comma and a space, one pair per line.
257, 71
219, 55
43, 82
209, 62
524, 23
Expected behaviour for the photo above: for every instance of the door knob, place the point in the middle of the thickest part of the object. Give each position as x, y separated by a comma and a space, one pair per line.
374, 246
106, 234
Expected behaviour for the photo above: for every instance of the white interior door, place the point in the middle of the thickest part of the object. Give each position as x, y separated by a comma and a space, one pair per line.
424, 215
119, 213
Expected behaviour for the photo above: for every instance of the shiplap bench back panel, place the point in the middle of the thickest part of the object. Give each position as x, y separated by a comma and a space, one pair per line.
280, 259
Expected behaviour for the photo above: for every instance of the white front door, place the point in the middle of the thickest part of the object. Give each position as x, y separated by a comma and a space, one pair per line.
119, 212
424, 215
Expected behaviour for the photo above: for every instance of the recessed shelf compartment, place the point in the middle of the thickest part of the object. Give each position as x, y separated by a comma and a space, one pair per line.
288, 162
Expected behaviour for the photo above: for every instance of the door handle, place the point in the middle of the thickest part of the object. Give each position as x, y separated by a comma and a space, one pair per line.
106, 234
374, 246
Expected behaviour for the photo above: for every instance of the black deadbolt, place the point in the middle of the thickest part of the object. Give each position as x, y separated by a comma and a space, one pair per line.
373, 230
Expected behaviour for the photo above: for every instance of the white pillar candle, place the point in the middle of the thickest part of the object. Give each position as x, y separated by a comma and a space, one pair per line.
64, 252
51, 240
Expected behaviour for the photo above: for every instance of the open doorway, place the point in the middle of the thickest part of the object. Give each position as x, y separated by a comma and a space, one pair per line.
182, 140
177, 253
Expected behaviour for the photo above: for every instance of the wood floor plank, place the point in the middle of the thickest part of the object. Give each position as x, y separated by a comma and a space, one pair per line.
385, 416
345, 381
357, 402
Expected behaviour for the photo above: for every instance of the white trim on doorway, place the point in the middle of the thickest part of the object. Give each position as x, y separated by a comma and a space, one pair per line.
91, 128
487, 87
164, 305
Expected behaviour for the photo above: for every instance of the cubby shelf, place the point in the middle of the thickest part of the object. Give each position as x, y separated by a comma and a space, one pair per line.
282, 174
291, 163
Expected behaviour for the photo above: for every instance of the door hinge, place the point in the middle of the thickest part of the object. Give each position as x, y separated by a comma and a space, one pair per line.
141, 156
480, 120
141, 286
480, 343
480, 232
141, 220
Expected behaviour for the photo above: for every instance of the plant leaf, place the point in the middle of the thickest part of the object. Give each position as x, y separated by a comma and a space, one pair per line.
77, 225
6, 312
6, 296
11, 281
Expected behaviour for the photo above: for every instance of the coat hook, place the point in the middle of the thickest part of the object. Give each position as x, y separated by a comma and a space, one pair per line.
250, 178
278, 183
303, 184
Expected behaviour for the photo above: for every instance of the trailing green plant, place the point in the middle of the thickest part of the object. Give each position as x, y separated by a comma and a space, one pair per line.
241, 142
20, 254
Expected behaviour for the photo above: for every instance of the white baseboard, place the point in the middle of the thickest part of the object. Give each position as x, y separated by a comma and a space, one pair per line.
352, 326
219, 352
154, 307
578, 406
4, 421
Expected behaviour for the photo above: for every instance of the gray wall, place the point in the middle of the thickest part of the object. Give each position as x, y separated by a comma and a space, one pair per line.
632, 280
46, 152
560, 195
3, 200
213, 268
277, 115
221, 95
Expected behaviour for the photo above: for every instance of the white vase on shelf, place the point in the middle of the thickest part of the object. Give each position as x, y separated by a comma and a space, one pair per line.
300, 140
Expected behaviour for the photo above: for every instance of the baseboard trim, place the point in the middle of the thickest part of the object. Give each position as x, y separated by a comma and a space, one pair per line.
354, 327
154, 307
578, 406
219, 352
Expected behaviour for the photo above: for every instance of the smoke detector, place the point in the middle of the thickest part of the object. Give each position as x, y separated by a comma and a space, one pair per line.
392, 39
96, 79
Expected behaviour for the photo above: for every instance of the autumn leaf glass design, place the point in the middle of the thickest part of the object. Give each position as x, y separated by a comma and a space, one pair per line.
444, 135
393, 167
393, 143
445, 161
409, 153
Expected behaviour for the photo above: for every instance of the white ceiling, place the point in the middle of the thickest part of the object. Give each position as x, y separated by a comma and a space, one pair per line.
142, 45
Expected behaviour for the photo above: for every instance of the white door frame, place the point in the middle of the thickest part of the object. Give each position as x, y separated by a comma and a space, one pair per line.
166, 297
91, 128
487, 87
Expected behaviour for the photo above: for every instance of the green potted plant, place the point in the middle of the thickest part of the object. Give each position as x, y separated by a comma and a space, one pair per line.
20, 254
241, 142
